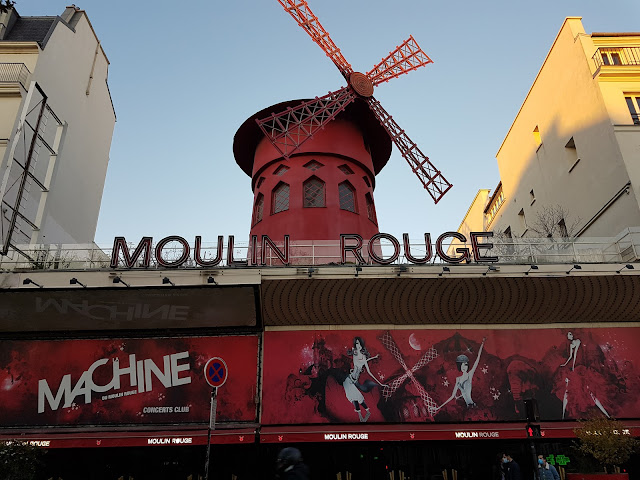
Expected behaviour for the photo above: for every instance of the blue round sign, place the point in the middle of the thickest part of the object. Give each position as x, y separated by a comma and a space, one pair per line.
216, 372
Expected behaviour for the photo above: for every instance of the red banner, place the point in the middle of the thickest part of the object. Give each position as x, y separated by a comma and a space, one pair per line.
422, 375
124, 381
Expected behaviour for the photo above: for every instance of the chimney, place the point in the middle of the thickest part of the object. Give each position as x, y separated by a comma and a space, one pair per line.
69, 12
7, 20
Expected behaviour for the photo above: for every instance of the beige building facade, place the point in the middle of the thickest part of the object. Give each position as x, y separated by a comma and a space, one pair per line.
56, 125
570, 163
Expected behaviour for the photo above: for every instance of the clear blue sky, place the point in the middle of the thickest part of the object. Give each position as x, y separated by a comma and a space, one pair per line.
185, 75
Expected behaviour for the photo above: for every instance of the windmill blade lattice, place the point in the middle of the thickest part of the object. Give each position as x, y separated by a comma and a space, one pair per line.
302, 14
428, 356
432, 180
288, 130
403, 59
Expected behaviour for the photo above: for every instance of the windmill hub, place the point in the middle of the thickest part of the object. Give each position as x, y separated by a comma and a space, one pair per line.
362, 85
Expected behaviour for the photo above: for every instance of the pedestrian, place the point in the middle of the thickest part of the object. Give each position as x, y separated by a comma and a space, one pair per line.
498, 468
289, 465
546, 471
513, 469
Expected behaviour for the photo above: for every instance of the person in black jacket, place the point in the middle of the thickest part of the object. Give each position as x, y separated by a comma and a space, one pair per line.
513, 469
499, 468
289, 465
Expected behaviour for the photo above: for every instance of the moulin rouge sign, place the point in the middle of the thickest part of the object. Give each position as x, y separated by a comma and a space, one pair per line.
351, 248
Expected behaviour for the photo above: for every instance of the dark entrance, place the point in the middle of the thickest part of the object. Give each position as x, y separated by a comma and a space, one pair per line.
472, 459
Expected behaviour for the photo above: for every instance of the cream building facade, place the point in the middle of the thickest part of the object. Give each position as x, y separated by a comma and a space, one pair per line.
572, 154
53, 81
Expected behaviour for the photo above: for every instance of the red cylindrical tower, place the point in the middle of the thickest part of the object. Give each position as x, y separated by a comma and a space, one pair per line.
325, 188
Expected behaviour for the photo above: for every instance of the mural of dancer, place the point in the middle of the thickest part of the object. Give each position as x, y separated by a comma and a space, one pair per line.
324, 376
464, 382
581, 381
574, 345
353, 389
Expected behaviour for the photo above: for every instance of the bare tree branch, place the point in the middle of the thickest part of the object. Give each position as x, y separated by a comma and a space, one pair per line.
555, 221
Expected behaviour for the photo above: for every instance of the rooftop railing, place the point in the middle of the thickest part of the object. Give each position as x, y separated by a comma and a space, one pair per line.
14, 73
623, 56
517, 251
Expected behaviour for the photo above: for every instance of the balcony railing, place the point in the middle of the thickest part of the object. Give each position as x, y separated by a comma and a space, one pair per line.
514, 251
14, 73
622, 56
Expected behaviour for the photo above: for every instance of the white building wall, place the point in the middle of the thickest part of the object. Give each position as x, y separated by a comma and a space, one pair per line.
566, 102
63, 69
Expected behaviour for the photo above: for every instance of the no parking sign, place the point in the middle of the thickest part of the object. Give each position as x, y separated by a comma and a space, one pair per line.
216, 372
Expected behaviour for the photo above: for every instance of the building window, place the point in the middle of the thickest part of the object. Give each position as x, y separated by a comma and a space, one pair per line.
572, 154
313, 193
563, 228
497, 202
258, 208
633, 102
371, 208
507, 232
532, 197
260, 180
536, 136
345, 169
347, 197
281, 170
280, 198
523, 221
366, 181
313, 165
610, 58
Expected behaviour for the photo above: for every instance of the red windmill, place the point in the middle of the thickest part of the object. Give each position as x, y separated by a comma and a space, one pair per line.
343, 138
289, 129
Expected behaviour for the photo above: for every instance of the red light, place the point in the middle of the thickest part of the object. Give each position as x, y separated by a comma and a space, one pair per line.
530, 430
542, 433
386, 467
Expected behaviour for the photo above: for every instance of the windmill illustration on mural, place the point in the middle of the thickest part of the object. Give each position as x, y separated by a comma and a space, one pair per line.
289, 129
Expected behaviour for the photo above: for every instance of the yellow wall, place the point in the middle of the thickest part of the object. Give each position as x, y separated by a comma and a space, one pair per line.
565, 102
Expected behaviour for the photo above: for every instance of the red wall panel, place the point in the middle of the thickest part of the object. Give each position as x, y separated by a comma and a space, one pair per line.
86, 382
572, 373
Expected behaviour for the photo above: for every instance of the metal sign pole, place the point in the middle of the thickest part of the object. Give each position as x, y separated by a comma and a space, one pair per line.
212, 426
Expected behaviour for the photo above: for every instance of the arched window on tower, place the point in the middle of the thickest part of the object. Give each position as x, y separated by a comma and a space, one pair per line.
345, 169
313, 193
347, 197
313, 165
281, 170
258, 209
280, 198
371, 208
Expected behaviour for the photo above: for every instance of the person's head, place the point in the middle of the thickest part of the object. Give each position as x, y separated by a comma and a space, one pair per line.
288, 457
358, 344
542, 460
462, 361
570, 335
508, 458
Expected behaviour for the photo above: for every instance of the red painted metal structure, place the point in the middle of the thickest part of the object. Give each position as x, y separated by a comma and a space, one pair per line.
313, 162
293, 126
328, 182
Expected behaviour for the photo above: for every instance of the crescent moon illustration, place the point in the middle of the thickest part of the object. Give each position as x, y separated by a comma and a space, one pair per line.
413, 341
